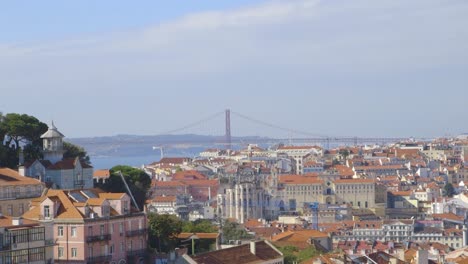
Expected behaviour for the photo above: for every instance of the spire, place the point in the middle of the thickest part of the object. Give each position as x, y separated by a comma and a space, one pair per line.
52, 126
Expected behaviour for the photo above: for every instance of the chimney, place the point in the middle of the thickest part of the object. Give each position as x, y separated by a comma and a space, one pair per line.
21, 170
252, 247
17, 221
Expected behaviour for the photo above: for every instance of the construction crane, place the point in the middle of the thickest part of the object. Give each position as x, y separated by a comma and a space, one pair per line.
161, 149
128, 189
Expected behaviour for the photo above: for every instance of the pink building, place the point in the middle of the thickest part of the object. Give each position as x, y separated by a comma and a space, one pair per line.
91, 226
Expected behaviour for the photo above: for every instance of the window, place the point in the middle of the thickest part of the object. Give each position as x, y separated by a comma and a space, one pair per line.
121, 228
46, 211
60, 231
90, 230
111, 249
121, 246
60, 252
74, 252
101, 229
21, 209
73, 231
10, 209
111, 228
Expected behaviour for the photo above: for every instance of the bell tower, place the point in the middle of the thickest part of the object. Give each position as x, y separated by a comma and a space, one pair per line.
52, 144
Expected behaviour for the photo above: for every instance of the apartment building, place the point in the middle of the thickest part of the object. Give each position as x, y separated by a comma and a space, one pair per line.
16, 192
298, 154
90, 226
25, 241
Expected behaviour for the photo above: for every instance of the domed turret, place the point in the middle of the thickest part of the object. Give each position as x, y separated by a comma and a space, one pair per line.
53, 144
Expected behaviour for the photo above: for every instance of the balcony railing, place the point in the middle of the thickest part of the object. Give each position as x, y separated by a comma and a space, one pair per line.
19, 195
136, 253
138, 232
5, 246
99, 259
105, 237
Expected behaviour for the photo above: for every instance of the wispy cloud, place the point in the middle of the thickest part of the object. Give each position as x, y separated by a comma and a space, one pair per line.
256, 44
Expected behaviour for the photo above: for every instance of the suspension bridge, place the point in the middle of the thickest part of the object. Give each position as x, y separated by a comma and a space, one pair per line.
294, 136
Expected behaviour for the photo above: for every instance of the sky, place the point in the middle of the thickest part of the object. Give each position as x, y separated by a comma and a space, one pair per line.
389, 68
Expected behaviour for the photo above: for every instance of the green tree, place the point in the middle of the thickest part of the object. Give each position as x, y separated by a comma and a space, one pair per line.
232, 231
73, 151
344, 153
163, 231
199, 226
138, 181
20, 130
449, 190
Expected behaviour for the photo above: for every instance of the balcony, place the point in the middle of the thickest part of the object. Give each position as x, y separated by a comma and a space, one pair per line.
136, 253
19, 195
138, 232
91, 239
99, 259
6, 246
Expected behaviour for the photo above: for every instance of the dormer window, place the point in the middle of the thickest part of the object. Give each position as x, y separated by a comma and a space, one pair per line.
46, 211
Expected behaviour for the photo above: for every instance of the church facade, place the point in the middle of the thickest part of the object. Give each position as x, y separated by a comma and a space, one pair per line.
54, 170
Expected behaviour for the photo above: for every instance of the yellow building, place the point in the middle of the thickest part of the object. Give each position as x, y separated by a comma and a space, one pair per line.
299, 189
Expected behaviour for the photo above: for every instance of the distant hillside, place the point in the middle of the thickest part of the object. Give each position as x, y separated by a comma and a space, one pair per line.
133, 145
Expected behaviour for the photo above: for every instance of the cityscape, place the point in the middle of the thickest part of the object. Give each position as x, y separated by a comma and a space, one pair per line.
234, 132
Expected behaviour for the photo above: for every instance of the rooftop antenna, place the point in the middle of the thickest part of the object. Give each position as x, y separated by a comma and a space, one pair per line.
128, 189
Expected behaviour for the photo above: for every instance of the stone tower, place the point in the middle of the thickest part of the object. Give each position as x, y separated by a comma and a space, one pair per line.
53, 144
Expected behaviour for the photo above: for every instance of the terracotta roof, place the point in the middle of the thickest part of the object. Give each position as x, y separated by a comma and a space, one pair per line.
167, 184
103, 174
164, 199
239, 254
10, 177
448, 216
7, 221
66, 208
299, 179
188, 175
68, 164
354, 181
173, 160
383, 167
95, 201
111, 196
401, 193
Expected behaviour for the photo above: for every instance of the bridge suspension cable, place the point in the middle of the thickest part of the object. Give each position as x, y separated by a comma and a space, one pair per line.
278, 127
194, 124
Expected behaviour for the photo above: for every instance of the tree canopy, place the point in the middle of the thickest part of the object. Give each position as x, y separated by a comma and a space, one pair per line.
163, 230
449, 190
20, 130
232, 231
138, 181
199, 226
73, 151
